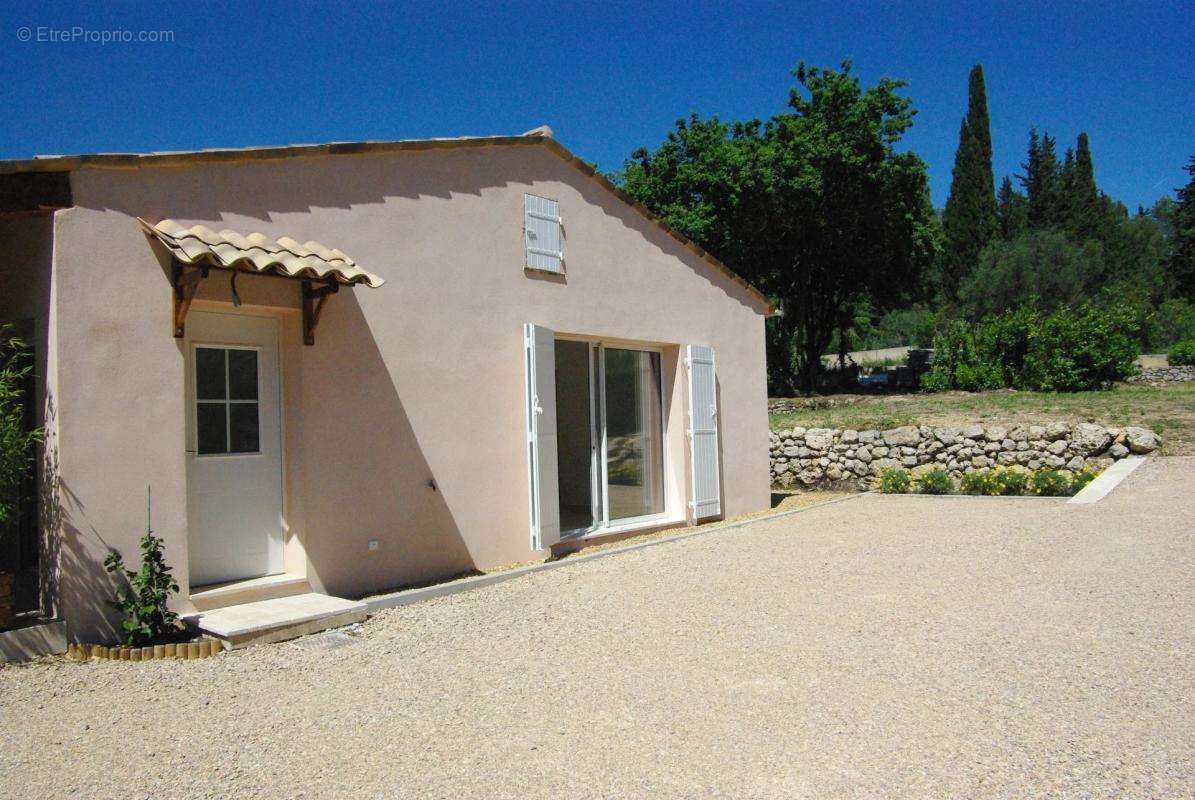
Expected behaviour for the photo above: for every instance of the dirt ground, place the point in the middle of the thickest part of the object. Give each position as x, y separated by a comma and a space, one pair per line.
883, 646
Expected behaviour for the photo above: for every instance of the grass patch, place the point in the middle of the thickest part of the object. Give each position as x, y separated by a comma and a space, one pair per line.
1168, 411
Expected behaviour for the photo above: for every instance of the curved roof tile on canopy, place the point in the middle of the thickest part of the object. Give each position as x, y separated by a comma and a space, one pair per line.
258, 253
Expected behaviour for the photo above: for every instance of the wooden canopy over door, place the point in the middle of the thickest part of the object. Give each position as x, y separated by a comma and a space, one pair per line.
198, 249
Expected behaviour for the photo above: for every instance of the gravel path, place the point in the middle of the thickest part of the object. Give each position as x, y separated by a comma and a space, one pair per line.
881, 647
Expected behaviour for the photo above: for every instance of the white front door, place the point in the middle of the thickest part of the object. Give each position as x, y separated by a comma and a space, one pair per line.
234, 448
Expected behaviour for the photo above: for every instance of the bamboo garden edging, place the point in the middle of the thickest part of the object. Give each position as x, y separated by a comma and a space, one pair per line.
181, 651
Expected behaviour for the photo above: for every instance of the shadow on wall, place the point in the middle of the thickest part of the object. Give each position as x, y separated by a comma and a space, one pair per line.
262, 189
364, 475
71, 578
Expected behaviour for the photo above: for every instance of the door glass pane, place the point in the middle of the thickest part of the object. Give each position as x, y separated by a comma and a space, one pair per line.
242, 374
574, 453
209, 373
211, 427
242, 428
634, 434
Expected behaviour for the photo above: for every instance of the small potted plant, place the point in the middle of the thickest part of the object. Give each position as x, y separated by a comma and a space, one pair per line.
16, 453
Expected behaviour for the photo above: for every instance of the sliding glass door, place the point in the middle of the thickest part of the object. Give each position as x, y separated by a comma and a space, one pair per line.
634, 434
610, 442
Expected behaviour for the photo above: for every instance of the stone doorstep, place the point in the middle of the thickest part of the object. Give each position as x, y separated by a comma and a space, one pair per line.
279, 619
209, 598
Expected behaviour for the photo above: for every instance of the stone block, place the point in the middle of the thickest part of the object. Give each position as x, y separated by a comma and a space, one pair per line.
1141, 440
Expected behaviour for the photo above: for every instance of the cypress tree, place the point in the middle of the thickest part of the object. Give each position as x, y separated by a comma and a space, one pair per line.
1012, 215
1083, 199
1041, 181
969, 219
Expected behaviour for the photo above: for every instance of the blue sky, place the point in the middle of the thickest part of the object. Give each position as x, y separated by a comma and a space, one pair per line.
606, 76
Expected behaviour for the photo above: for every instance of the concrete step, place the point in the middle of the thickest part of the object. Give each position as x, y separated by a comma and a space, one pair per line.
279, 618
208, 598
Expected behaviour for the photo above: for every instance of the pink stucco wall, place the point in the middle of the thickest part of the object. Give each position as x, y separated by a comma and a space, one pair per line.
417, 381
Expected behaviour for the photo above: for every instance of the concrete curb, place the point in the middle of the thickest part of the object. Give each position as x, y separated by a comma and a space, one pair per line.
958, 496
25, 644
410, 596
1107, 480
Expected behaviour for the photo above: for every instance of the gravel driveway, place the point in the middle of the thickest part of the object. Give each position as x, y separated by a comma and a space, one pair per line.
880, 647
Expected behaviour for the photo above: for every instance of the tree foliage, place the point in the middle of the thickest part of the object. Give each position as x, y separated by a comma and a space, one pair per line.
814, 206
1063, 241
1182, 257
970, 219
17, 441
1042, 182
1012, 211
1043, 268
1070, 350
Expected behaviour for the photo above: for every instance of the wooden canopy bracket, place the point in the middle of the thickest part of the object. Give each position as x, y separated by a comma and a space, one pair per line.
313, 306
186, 283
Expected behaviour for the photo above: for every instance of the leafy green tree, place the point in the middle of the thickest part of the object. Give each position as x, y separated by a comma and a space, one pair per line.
1040, 268
969, 220
1134, 256
815, 207
1172, 321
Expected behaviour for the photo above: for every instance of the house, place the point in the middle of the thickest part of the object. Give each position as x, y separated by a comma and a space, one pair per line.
347, 368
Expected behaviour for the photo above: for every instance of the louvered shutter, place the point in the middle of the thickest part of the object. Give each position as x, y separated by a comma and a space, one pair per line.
542, 234
540, 359
703, 432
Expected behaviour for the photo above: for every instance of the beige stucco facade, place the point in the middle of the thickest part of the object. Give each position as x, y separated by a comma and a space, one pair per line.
405, 423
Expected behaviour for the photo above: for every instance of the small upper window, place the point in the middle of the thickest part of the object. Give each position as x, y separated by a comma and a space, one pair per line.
226, 405
542, 234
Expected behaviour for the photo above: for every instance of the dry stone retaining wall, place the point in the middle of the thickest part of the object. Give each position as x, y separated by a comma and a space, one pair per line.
811, 457
1164, 375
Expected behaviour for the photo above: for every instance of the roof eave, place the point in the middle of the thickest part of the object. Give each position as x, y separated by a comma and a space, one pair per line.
538, 136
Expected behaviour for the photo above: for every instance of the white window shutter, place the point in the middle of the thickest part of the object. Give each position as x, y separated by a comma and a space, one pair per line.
703, 432
542, 234
540, 359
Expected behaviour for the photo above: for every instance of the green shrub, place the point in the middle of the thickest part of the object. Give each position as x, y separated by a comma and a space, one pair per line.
954, 353
894, 480
142, 600
1182, 354
1012, 482
1080, 351
1005, 341
1080, 480
938, 379
981, 481
1050, 483
977, 377
936, 481
1067, 351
